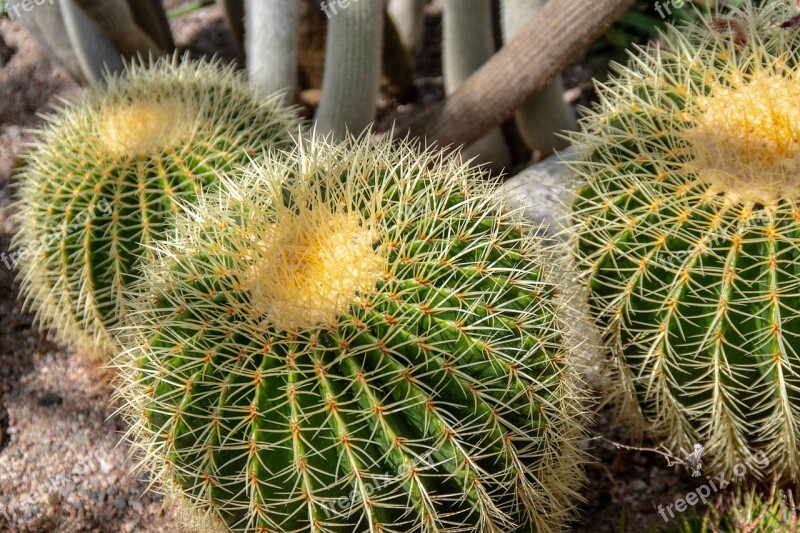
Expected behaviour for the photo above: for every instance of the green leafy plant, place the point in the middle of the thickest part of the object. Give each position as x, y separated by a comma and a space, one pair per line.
689, 232
357, 338
100, 183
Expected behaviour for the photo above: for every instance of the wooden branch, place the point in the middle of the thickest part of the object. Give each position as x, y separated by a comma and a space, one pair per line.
541, 49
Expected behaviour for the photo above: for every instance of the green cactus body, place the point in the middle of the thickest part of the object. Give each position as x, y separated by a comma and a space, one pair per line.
104, 175
357, 339
689, 229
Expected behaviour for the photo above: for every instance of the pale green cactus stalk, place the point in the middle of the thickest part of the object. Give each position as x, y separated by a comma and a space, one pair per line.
352, 75
272, 43
689, 230
90, 38
357, 338
545, 115
467, 44
92, 46
100, 183
46, 26
116, 19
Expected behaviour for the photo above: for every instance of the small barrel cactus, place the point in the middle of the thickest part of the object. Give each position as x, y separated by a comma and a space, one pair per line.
99, 184
357, 338
689, 231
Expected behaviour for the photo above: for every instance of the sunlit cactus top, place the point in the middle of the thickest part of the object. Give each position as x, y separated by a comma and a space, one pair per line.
106, 173
689, 230
358, 338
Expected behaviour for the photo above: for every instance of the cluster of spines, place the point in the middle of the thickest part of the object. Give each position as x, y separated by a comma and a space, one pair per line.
446, 399
104, 177
698, 286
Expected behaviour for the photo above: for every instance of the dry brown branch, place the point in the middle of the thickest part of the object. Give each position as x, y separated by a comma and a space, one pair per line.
560, 30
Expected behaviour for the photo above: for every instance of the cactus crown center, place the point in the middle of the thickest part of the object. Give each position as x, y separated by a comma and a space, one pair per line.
745, 141
146, 127
311, 264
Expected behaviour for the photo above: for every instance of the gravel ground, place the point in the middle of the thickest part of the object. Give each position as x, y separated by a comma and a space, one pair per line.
61, 465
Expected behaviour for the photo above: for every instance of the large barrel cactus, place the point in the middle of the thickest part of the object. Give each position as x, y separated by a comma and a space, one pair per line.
357, 338
103, 178
689, 230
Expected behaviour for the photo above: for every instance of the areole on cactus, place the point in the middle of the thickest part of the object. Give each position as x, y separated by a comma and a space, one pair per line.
105, 175
357, 337
689, 230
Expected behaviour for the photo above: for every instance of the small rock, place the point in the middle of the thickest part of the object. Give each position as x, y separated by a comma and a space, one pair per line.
49, 399
105, 466
14, 131
543, 192
121, 504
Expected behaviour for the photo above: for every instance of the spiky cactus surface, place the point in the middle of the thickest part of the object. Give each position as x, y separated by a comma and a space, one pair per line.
744, 511
357, 339
105, 174
689, 229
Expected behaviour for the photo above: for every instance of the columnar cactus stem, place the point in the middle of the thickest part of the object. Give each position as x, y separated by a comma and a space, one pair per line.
468, 43
539, 52
357, 337
545, 114
115, 18
95, 51
46, 25
352, 68
272, 41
